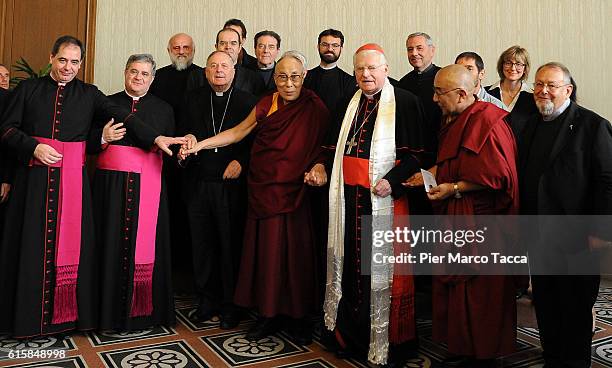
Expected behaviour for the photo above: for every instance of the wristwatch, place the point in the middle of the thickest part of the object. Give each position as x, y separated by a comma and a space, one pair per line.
456, 189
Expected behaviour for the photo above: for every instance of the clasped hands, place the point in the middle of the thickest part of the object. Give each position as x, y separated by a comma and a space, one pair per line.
114, 132
191, 146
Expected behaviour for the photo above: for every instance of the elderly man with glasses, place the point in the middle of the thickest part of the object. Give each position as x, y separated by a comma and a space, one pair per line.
476, 174
375, 147
565, 162
278, 271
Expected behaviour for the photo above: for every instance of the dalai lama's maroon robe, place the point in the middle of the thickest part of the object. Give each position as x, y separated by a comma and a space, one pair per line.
476, 315
278, 269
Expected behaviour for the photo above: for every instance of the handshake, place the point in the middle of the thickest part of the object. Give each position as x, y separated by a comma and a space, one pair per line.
189, 146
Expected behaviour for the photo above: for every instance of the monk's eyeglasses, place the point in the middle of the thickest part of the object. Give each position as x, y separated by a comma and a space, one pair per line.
438, 91
283, 78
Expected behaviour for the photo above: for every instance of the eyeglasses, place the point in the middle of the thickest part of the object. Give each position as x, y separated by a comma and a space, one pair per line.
510, 64
539, 86
438, 91
370, 68
283, 78
330, 45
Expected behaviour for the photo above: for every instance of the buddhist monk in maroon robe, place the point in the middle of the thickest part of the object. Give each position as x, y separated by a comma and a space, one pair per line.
476, 175
278, 269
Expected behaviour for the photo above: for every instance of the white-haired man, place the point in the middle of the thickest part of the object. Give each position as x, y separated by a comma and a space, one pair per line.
379, 129
565, 168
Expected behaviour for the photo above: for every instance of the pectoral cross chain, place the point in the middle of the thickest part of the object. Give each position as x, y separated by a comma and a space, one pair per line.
350, 144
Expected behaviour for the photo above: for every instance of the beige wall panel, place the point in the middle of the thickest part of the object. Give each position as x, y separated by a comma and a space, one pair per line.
577, 33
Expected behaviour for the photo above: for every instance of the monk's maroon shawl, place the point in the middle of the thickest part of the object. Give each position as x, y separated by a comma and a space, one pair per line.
286, 145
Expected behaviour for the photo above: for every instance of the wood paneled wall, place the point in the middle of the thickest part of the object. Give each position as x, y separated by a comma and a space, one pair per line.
29, 28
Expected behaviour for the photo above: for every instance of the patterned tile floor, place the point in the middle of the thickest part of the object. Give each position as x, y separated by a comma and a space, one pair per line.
204, 345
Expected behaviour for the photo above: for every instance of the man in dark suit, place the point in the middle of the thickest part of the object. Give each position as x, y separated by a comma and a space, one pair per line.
565, 168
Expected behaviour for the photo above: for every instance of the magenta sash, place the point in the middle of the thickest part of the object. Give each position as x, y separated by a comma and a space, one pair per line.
68, 227
149, 166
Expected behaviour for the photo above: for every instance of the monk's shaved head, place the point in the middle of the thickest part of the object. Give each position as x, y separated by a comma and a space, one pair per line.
453, 89
456, 76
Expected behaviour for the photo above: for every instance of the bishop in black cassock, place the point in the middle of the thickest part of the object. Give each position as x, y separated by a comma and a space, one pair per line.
116, 204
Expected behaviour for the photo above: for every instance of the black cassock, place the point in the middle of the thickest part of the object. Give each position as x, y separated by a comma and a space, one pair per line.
114, 193
421, 84
331, 85
353, 319
43, 108
245, 80
6, 163
172, 85
216, 207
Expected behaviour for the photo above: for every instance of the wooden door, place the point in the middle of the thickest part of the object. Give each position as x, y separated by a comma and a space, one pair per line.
29, 28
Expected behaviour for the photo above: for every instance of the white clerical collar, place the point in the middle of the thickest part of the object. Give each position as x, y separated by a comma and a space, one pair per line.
371, 97
136, 98
557, 112
58, 82
329, 66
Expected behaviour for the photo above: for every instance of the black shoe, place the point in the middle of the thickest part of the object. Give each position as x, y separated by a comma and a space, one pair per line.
263, 327
300, 331
457, 361
203, 314
328, 340
229, 320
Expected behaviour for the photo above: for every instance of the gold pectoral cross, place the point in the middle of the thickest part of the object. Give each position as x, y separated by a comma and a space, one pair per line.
350, 144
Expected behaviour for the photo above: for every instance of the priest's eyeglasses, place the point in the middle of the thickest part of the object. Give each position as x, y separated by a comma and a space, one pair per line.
553, 87
330, 45
283, 78
370, 68
438, 91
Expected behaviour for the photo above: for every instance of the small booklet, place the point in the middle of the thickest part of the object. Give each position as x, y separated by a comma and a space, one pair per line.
428, 180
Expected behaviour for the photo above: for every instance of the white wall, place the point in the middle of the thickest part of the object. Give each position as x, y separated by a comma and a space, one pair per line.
573, 32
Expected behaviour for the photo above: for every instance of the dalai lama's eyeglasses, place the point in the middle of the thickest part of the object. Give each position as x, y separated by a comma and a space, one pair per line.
283, 78
438, 91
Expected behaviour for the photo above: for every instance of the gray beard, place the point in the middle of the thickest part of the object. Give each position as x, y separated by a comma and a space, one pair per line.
546, 108
181, 64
